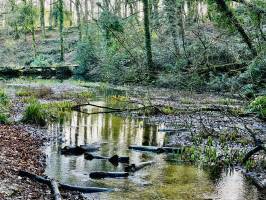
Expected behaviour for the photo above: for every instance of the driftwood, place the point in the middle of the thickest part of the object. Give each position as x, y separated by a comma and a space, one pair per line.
134, 167
252, 152
114, 159
47, 181
101, 175
156, 149
55, 190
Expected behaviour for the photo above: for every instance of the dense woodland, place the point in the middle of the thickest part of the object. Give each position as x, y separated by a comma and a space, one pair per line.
214, 44
174, 90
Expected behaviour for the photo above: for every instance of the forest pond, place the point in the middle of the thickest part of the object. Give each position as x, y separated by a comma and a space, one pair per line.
164, 180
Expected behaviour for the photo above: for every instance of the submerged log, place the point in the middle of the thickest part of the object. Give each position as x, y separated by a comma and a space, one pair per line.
134, 167
101, 175
89, 147
113, 159
79, 150
119, 159
147, 148
89, 156
156, 149
72, 150
47, 181
172, 150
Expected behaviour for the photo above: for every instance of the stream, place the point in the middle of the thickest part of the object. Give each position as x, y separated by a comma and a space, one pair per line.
163, 180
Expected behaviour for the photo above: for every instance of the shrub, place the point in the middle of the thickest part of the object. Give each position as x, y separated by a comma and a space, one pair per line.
259, 106
4, 99
3, 118
41, 61
86, 57
34, 114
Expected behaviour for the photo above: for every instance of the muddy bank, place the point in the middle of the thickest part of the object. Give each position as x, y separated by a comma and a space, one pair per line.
21, 149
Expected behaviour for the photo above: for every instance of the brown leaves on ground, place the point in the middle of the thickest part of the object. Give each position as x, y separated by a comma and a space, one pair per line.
19, 151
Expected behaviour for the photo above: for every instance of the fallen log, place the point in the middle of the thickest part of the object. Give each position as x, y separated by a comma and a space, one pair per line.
72, 150
101, 175
252, 152
170, 130
134, 167
113, 159
89, 156
156, 149
79, 150
147, 148
89, 148
46, 181
55, 190
172, 149
119, 159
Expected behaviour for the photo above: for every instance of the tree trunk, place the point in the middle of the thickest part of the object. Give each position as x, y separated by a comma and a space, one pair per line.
51, 15
229, 14
78, 19
86, 16
61, 27
71, 13
42, 17
148, 37
170, 7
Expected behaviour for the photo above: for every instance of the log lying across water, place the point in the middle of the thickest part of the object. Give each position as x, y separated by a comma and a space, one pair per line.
48, 182
113, 159
101, 175
137, 167
79, 150
147, 148
156, 149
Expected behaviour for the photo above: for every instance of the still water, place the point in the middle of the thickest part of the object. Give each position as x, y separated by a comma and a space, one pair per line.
163, 180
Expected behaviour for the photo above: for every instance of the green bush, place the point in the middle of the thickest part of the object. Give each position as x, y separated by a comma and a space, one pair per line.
3, 118
34, 114
4, 99
85, 57
259, 106
41, 61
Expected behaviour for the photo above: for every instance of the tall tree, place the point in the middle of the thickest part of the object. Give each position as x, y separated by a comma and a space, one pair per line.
170, 7
222, 6
148, 36
61, 27
42, 17
77, 4
51, 15
71, 13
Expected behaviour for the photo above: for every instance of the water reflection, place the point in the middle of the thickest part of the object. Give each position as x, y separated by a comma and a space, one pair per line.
114, 134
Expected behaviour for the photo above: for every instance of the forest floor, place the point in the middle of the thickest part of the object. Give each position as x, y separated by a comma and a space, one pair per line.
21, 148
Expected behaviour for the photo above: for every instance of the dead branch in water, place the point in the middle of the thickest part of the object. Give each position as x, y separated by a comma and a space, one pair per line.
56, 186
